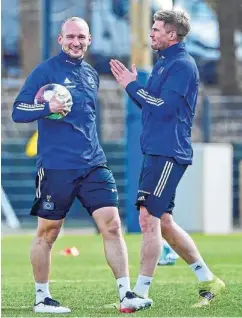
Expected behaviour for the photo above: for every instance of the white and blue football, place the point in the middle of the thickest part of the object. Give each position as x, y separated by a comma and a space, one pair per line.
62, 94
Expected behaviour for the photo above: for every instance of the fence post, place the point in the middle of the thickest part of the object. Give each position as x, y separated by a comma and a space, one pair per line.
240, 194
134, 158
46, 29
206, 120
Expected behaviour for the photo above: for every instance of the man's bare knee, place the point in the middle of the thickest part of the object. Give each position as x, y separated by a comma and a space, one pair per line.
166, 224
48, 231
111, 228
108, 222
148, 223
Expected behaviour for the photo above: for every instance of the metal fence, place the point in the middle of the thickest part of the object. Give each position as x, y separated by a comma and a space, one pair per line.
218, 119
221, 119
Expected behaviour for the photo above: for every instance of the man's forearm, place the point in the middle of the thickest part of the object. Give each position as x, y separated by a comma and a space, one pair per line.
142, 96
25, 113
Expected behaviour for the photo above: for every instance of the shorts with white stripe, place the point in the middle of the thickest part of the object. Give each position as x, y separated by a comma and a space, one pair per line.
56, 190
159, 178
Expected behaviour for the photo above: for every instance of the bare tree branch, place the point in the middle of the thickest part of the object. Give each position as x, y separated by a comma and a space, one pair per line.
227, 13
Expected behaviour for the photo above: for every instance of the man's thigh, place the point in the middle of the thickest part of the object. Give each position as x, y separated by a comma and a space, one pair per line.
158, 182
55, 193
98, 190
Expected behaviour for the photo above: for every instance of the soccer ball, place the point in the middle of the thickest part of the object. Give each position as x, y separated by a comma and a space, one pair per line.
62, 94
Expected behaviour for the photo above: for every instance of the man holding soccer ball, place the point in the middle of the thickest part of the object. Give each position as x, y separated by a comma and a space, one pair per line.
71, 162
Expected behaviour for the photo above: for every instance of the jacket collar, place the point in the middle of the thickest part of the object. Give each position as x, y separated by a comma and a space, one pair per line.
70, 60
172, 50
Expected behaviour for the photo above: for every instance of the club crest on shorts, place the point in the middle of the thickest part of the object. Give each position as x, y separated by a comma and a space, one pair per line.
47, 204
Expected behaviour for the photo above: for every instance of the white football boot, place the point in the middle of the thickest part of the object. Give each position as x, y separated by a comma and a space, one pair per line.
50, 306
131, 303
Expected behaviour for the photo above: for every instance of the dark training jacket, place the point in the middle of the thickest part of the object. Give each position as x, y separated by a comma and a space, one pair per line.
168, 103
70, 142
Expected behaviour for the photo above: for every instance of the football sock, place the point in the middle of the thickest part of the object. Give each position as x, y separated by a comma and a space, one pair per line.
123, 284
142, 286
201, 270
41, 292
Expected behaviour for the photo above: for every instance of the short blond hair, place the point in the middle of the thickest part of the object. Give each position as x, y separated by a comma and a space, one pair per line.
73, 19
176, 20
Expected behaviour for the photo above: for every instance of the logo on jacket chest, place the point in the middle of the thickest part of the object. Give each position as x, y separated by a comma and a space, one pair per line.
68, 83
91, 81
161, 69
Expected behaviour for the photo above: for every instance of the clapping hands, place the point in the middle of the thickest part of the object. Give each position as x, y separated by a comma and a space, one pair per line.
122, 74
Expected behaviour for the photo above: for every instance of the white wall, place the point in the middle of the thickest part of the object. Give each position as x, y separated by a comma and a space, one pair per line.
204, 195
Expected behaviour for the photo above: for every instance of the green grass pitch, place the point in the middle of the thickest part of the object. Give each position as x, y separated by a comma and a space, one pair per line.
85, 283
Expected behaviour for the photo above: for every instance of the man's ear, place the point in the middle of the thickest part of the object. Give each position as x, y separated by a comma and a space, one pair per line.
173, 35
90, 39
59, 38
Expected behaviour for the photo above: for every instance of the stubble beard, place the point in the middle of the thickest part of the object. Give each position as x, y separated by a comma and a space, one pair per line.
68, 52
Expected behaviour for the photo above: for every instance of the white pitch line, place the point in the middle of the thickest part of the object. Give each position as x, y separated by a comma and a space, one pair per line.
177, 266
20, 307
78, 281
71, 281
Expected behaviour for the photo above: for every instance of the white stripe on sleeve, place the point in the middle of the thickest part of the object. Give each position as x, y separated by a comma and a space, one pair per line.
150, 99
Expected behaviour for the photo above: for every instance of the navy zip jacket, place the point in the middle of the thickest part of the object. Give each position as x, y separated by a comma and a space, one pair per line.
70, 142
168, 103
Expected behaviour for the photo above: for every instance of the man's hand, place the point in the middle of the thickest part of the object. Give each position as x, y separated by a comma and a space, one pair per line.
122, 74
57, 106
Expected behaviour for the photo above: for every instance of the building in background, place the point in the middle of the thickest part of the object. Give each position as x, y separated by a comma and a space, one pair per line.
218, 117
109, 20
